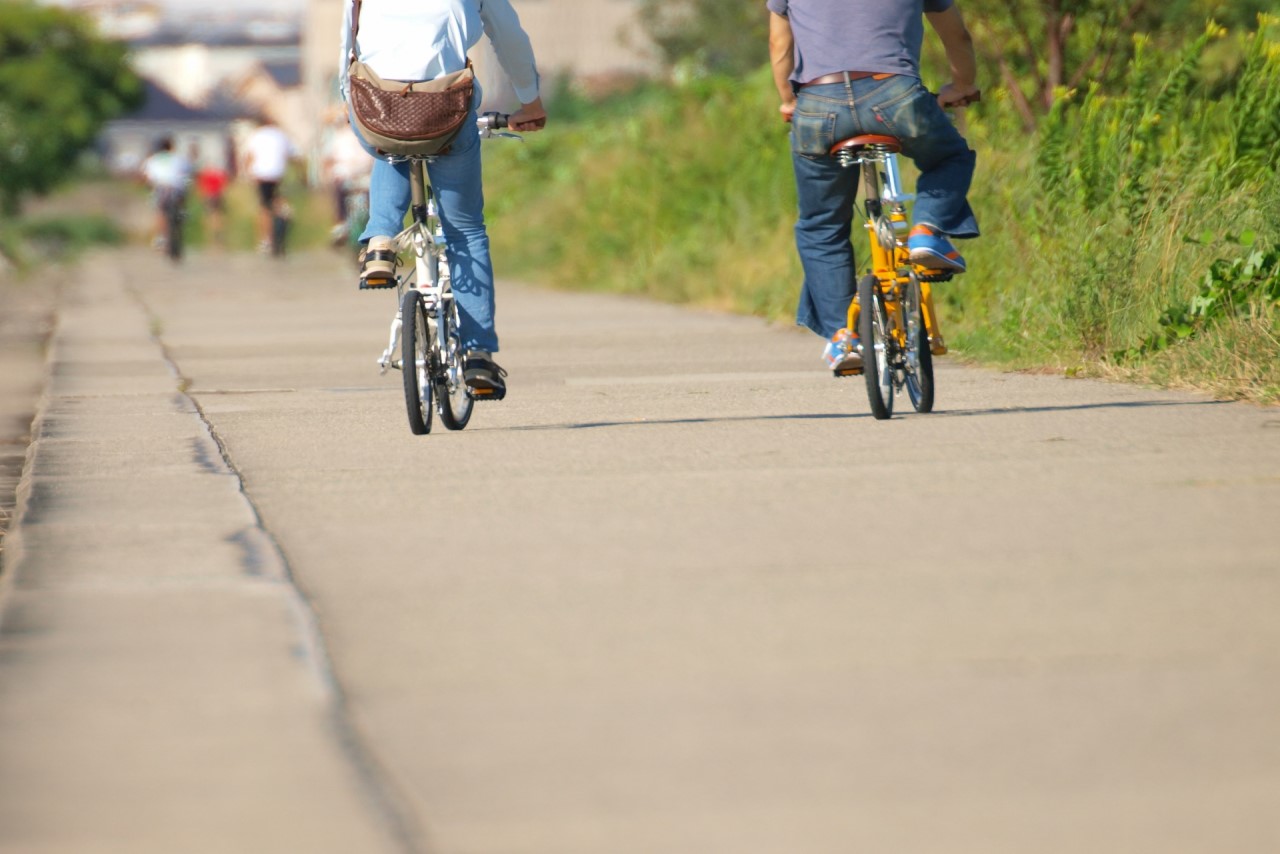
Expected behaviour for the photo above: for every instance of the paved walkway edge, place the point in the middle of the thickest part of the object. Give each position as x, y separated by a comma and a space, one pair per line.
172, 697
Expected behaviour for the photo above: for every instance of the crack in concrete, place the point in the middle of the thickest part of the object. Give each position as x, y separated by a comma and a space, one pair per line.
381, 792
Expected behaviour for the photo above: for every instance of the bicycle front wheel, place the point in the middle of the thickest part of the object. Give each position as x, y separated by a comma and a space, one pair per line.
873, 329
279, 235
415, 362
174, 216
454, 402
919, 356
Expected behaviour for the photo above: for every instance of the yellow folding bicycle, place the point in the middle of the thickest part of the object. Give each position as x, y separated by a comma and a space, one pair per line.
893, 311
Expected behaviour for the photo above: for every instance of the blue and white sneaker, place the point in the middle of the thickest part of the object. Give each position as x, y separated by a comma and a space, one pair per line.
932, 250
843, 354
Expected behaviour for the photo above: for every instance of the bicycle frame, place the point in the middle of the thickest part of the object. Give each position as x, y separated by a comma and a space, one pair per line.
424, 238
887, 226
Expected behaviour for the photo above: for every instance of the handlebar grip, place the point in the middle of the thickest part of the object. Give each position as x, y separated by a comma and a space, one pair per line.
964, 102
493, 121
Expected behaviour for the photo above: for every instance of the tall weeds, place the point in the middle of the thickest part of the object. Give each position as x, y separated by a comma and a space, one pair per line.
1137, 198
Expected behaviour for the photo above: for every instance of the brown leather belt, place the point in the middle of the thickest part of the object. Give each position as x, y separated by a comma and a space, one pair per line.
842, 76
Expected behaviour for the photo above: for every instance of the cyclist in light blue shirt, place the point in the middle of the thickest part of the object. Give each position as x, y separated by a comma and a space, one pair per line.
416, 40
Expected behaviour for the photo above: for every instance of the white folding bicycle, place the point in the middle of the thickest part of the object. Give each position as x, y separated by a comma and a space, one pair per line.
424, 343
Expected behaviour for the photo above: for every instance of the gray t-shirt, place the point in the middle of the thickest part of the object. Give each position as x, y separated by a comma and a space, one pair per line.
880, 36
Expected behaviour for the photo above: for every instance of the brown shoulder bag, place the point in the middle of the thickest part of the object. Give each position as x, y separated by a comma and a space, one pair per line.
407, 118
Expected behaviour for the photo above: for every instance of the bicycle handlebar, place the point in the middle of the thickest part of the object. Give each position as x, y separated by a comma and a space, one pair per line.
496, 124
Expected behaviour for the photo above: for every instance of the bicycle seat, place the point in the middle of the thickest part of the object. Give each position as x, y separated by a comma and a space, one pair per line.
855, 144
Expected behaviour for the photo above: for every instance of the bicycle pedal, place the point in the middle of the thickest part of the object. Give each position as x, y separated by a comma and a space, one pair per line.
486, 393
375, 283
924, 274
847, 372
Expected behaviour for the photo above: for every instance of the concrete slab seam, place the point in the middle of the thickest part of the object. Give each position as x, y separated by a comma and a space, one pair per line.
376, 782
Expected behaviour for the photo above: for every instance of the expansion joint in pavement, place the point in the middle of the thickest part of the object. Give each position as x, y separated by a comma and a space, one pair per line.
377, 784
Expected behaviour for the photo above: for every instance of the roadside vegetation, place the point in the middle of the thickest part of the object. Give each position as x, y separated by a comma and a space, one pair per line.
1131, 222
1127, 185
59, 83
311, 217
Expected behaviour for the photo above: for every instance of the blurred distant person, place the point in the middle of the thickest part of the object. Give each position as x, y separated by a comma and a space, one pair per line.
267, 155
346, 167
167, 173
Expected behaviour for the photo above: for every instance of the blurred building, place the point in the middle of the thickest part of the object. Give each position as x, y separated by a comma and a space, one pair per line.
206, 77
125, 20
210, 129
208, 73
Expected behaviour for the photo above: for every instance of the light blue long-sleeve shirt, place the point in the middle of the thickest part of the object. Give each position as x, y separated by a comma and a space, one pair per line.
426, 39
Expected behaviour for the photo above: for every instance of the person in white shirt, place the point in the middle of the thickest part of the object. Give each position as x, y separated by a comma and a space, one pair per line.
424, 40
167, 173
267, 155
346, 167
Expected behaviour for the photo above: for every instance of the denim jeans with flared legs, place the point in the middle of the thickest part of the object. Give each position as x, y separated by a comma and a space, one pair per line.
457, 181
899, 106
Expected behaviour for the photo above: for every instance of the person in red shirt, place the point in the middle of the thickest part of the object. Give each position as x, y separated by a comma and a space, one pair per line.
211, 184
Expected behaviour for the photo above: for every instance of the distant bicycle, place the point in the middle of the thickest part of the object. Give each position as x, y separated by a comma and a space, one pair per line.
174, 205
425, 344
281, 221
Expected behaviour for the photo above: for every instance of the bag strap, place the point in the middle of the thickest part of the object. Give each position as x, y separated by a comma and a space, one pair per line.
355, 28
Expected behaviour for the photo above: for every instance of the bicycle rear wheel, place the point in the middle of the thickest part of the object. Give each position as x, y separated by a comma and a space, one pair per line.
454, 402
415, 362
279, 234
919, 356
873, 329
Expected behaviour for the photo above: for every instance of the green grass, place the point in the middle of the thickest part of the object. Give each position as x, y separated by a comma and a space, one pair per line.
59, 238
75, 219
311, 218
683, 195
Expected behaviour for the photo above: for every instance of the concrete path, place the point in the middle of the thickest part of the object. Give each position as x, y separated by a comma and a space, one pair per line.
678, 593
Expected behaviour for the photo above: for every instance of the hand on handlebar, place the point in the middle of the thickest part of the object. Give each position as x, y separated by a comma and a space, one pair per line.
530, 117
952, 95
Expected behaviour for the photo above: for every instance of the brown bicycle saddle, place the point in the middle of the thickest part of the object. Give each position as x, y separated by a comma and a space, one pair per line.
854, 143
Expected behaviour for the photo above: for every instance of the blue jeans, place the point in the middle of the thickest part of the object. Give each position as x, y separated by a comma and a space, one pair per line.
898, 106
457, 182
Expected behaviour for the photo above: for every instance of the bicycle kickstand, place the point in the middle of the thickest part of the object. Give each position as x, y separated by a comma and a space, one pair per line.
387, 360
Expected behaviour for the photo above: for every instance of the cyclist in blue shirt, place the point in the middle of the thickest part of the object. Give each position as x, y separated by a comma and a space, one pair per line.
849, 67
